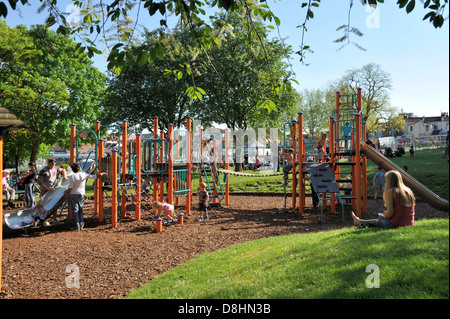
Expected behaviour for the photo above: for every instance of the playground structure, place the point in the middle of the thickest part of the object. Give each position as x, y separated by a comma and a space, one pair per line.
165, 159
346, 157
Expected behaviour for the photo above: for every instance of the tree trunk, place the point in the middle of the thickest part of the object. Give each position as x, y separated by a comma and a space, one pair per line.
34, 151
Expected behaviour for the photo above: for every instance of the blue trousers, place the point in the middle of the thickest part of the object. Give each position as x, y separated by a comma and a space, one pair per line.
76, 202
29, 196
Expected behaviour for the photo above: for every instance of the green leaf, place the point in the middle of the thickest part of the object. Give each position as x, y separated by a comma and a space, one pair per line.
410, 6
143, 58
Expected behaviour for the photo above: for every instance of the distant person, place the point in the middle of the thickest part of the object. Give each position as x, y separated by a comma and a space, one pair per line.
322, 144
8, 191
30, 177
347, 191
378, 181
76, 192
47, 176
164, 209
203, 198
46, 180
400, 204
289, 158
411, 151
347, 133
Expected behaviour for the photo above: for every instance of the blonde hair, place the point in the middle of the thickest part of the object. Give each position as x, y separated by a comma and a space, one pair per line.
393, 179
156, 204
203, 184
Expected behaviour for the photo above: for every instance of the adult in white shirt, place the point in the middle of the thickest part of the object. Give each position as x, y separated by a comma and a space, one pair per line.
76, 192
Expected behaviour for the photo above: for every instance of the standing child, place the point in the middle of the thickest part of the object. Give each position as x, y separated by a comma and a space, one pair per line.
347, 191
378, 181
411, 151
322, 145
203, 198
289, 158
163, 208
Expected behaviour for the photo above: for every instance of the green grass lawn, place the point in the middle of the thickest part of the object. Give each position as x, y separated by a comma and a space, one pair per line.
412, 263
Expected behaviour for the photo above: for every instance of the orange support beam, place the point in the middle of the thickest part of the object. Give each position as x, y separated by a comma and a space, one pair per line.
294, 169
114, 201
73, 133
170, 167
301, 151
189, 165
227, 166
137, 167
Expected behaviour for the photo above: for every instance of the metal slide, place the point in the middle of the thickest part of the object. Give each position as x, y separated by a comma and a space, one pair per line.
418, 189
52, 200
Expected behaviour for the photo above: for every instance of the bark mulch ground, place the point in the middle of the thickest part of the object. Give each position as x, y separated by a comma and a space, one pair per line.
113, 261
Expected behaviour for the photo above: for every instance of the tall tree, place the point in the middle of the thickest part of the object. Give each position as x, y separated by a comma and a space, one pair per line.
375, 84
251, 66
59, 88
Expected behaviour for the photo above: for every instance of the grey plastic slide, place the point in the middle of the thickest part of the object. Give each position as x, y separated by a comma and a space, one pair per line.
52, 200
418, 189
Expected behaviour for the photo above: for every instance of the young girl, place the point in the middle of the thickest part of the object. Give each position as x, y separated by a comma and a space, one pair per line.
163, 208
203, 198
399, 201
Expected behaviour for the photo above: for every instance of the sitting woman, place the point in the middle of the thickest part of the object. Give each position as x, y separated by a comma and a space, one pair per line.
399, 201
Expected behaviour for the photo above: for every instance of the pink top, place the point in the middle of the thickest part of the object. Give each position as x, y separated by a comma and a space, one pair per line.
403, 215
167, 209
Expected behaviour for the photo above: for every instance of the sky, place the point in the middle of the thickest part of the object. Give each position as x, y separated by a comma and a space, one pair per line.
412, 51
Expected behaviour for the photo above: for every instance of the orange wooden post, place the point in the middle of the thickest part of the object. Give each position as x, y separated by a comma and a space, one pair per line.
294, 168
181, 219
137, 167
158, 224
123, 172
301, 188
72, 154
97, 181
332, 159
73, 133
114, 201
170, 163
101, 154
227, 166
357, 177
359, 99
188, 166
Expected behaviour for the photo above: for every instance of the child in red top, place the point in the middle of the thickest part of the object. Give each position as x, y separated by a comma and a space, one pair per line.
163, 209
